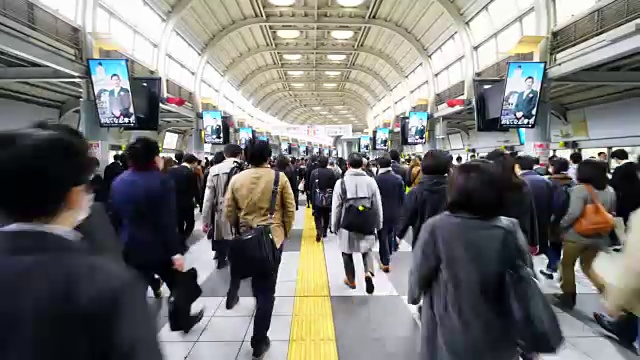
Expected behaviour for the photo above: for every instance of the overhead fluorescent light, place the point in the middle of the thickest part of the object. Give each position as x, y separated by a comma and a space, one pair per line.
333, 73
295, 73
323, 112
350, 3
344, 111
336, 57
288, 34
297, 85
342, 34
330, 85
289, 2
338, 106
292, 57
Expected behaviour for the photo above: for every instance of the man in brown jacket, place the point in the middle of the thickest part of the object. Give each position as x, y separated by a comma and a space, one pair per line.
247, 204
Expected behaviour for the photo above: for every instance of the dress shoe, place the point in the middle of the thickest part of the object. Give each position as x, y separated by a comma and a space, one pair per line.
260, 350
193, 321
565, 301
232, 301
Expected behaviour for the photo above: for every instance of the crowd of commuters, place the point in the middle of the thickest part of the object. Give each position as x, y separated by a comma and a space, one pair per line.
91, 244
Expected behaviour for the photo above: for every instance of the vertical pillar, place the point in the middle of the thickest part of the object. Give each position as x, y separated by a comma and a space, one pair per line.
196, 143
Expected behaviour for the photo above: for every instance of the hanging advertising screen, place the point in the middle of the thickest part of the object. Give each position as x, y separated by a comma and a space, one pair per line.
245, 136
416, 128
365, 143
522, 137
213, 130
382, 139
522, 94
304, 150
112, 90
285, 148
316, 151
170, 141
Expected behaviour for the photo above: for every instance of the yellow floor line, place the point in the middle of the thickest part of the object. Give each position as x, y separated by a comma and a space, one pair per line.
312, 333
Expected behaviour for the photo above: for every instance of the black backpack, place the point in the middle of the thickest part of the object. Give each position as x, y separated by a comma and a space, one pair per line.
359, 219
237, 168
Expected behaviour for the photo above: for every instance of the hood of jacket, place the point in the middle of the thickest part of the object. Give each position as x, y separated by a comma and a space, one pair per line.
432, 183
562, 179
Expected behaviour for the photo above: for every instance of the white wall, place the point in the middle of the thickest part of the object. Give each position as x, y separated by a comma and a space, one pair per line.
16, 114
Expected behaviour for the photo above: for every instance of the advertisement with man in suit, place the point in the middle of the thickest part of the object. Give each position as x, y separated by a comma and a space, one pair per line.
522, 94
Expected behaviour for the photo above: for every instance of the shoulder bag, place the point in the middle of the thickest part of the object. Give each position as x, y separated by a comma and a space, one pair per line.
359, 219
321, 198
595, 219
254, 252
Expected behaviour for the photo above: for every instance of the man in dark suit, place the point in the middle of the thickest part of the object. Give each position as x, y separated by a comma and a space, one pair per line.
119, 99
527, 101
187, 194
61, 303
111, 172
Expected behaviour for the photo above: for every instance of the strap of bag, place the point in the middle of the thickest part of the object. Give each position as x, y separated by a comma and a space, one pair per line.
592, 194
343, 187
274, 195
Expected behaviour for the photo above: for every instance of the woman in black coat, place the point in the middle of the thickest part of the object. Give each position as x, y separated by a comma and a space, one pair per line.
283, 164
518, 202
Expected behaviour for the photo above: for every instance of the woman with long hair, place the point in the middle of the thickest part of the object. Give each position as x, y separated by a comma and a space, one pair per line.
415, 172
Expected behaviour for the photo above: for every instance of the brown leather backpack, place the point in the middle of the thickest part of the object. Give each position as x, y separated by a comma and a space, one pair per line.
595, 219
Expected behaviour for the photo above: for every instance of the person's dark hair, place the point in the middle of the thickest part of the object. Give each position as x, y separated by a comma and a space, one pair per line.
232, 151
179, 156
282, 163
95, 163
436, 162
474, 188
505, 165
190, 159
116, 157
560, 165
115, 76
60, 128
314, 158
33, 193
602, 153
513, 154
384, 162
459, 159
142, 152
395, 155
529, 78
575, 158
620, 154
168, 163
258, 153
355, 161
526, 162
594, 173
219, 156
323, 161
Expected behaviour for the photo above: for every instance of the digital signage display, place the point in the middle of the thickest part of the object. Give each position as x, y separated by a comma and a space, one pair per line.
304, 150
245, 135
365, 143
382, 139
112, 90
416, 128
316, 151
285, 148
213, 130
170, 141
522, 94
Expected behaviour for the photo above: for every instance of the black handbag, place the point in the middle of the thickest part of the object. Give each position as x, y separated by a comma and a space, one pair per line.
254, 252
322, 199
536, 324
185, 291
358, 219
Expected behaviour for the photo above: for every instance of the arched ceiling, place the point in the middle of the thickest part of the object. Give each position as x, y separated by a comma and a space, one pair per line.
317, 76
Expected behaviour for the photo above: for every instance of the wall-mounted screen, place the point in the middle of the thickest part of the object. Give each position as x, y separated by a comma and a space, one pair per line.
170, 141
316, 151
146, 93
334, 153
522, 94
327, 152
521, 136
381, 139
365, 143
245, 136
112, 90
285, 148
304, 150
208, 148
416, 128
213, 128
455, 140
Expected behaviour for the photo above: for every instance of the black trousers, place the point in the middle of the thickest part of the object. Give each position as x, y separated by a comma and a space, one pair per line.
186, 223
386, 239
148, 270
322, 217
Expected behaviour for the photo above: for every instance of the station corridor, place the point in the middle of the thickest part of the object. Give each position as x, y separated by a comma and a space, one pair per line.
317, 317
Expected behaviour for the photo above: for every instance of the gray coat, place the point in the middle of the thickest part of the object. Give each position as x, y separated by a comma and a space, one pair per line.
459, 267
578, 199
213, 204
359, 185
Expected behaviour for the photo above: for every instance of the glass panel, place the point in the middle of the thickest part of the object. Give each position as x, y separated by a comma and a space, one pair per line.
65, 7
502, 11
208, 92
525, 4
455, 72
438, 60
529, 24
396, 93
122, 34
487, 54
144, 50
179, 49
481, 26
102, 21
508, 38
152, 26
566, 9
450, 51
212, 76
443, 81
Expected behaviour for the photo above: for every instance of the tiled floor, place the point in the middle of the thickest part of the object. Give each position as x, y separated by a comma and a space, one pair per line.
375, 327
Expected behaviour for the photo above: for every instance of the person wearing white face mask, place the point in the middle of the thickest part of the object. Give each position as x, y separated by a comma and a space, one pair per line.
60, 301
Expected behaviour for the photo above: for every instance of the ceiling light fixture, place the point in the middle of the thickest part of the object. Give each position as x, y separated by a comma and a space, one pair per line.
344, 111
332, 73
349, 3
317, 108
288, 34
330, 85
295, 73
292, 57
290, 2
338, 106
297, 85
336, 57
342, 34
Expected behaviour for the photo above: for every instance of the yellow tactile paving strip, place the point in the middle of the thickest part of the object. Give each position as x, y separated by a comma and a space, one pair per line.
312, 333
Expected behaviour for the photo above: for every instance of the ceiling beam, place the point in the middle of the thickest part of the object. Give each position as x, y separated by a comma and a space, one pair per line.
262, 101
310, 108
344, 99
348, 105
37, 74
255, 74
265, 86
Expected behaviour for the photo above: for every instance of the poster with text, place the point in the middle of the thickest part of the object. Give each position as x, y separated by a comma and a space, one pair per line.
522, 94
112, 90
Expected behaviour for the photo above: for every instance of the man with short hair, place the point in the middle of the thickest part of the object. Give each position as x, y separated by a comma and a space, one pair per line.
527, 101
111, 172
392, 194
187, 194
575, 159
397, 166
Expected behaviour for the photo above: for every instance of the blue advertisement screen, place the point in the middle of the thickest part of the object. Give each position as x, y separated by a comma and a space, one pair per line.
303, 150
284, 148
382, 139
522, 94
316, 151
365, 143
246, 134
212, 121
417, 128
112, 90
